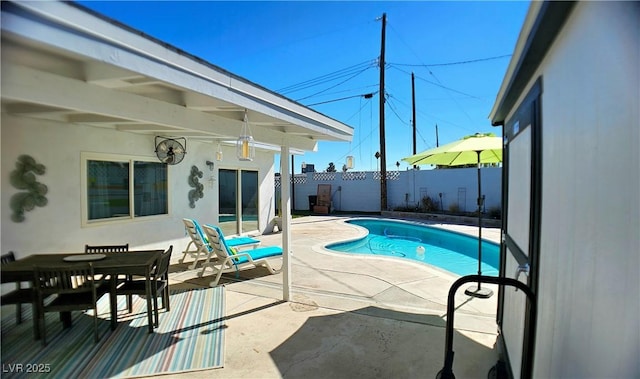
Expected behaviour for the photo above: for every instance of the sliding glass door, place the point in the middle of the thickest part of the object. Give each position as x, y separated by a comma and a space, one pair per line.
228, 201
249, 211
238, 210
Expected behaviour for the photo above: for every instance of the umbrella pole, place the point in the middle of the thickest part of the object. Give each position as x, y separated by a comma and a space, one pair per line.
477, 291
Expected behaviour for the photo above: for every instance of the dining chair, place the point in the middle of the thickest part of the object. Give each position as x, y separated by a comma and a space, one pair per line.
106, 249
159, 285
97, 249
19, 295
74, 288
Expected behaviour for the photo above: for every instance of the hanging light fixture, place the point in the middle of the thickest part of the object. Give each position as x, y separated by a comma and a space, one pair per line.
219, 153
245, 148
349, 163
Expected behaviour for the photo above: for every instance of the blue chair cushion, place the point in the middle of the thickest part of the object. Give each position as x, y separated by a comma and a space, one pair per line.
231, 242
259, 253
239, 241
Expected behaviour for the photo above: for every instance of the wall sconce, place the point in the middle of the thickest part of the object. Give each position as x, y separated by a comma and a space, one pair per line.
219, 153
349, 162
245, 148
211, 178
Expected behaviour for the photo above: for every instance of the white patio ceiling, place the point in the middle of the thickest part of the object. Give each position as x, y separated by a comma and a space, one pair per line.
64, 63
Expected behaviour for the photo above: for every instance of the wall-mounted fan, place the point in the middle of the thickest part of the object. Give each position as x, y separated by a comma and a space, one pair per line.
170, 150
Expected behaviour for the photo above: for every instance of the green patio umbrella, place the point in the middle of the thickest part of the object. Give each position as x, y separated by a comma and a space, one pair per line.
474, 149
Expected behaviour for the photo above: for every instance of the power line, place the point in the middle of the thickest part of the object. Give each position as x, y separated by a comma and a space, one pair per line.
439, 64
339, 31
394, 110
434, 117
362, 140
364, 95
438, 84
435, 77
358, 111
318, 82
335, 85
352, 89
429, 146
453, 98
453, 63
356, 146
327, 77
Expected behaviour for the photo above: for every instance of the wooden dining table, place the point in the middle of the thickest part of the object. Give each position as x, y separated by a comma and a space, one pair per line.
133, 262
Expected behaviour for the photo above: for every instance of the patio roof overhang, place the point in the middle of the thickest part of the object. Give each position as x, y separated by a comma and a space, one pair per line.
63, 62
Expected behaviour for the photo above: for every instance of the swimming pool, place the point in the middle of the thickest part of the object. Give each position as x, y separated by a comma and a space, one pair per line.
451, 251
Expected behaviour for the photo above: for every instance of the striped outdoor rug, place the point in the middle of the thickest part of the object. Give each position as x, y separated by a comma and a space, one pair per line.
190, 337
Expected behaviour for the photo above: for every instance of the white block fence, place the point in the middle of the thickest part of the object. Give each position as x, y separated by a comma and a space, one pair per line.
360, 191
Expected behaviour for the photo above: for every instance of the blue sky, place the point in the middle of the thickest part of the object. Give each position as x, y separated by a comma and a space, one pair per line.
324, 55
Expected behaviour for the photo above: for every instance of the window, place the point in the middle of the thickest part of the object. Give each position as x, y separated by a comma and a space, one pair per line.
114, 186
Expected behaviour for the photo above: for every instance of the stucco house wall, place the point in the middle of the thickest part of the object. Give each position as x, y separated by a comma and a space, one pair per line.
57, 227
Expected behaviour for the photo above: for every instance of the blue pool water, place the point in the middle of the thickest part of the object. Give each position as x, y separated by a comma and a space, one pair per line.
451, 251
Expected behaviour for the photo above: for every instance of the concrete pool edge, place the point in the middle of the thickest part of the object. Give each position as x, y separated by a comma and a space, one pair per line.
410, 281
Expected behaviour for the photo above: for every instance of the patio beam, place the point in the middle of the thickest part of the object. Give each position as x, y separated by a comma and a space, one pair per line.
285, 193
25, 84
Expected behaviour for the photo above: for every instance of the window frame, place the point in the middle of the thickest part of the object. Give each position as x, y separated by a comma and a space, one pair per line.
85, 157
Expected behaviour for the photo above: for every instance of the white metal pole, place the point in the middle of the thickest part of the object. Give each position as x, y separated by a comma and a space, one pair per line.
285, 186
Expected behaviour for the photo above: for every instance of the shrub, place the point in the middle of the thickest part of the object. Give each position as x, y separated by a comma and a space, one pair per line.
495, 213
454, 208
429, 205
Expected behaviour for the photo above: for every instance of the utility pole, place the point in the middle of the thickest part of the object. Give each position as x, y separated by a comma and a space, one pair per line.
383, 154
413, 118
437, 143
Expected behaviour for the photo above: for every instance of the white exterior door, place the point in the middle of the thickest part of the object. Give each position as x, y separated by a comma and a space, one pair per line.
521, 233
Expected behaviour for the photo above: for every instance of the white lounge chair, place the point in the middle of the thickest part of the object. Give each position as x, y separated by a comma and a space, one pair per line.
232, 260
200, 247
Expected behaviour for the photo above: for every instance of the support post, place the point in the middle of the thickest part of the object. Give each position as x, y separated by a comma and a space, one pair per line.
285, 179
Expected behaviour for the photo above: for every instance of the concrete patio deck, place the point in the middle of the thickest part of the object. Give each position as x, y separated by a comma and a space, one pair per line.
350, 316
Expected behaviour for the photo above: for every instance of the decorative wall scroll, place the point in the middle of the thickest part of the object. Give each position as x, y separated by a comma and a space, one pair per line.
24, 178
198, 188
